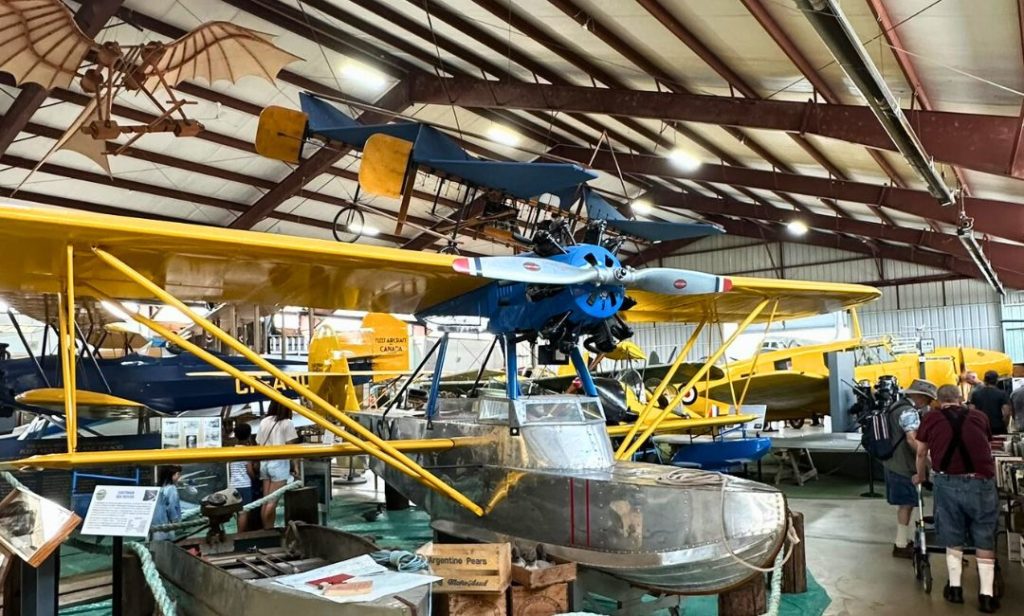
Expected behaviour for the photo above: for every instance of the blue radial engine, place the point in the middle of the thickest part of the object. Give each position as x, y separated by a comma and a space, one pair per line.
584, 306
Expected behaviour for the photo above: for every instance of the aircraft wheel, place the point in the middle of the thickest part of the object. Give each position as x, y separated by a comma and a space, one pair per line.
348, 224
796, 424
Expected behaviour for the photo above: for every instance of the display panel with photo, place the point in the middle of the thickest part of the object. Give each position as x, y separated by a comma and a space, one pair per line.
32, 527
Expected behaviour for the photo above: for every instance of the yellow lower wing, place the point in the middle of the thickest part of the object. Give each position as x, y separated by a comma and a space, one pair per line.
91, 404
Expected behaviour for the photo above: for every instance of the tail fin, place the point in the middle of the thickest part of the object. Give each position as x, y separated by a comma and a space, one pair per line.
380, 344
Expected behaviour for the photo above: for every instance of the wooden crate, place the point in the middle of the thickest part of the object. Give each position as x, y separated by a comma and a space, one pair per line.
494, 604
469, 567
547, 601
560, 572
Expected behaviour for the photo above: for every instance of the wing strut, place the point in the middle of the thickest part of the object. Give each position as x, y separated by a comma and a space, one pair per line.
68, 356
354, 433
628, 448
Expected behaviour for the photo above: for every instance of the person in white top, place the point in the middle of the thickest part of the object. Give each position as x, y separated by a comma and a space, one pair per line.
243, 476
275, 429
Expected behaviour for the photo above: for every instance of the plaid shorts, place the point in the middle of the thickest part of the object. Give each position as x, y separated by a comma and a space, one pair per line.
966, 511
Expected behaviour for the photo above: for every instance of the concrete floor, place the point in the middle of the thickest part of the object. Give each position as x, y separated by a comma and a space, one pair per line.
848, 552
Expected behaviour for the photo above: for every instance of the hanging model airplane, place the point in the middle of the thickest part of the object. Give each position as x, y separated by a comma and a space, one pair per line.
42, 44
393, 153
537, 469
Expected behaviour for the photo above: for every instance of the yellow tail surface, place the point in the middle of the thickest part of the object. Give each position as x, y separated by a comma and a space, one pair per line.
381, 337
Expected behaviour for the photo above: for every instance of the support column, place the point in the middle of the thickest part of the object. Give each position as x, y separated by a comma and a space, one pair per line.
840, 366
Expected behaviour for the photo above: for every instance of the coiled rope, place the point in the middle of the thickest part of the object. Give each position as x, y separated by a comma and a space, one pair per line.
401, 560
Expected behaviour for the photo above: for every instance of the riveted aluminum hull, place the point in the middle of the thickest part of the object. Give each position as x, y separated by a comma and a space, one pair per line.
557, 485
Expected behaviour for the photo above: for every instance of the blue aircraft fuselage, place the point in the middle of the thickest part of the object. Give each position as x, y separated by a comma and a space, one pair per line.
161, 383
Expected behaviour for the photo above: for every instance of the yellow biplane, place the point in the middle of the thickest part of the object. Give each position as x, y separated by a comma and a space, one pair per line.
74, 255
793, 382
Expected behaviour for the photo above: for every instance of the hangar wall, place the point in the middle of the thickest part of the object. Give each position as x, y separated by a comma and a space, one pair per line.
951, 312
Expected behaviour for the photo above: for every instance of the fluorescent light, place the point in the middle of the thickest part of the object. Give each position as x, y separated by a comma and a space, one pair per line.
641, 206
684, 160
797, 227
502, 135
365, 75
366, 230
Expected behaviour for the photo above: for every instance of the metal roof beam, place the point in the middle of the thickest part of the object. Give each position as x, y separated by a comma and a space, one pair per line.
1009, 257
90, 18
883, 251
799, 60
997, 218
975, 141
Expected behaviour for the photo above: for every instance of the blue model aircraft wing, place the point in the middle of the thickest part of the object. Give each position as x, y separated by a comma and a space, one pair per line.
439, 152
599, 209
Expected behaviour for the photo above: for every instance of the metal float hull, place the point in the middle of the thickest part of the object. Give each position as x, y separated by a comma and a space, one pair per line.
557, 484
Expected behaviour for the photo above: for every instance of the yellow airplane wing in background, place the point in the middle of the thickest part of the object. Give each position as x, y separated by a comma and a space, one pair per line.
797, 298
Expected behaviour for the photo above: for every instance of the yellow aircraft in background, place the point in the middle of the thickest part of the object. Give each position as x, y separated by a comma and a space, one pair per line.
793, 382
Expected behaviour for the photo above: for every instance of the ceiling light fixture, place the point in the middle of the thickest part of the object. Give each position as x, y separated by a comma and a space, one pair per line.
641, 206
502, 135
366, 76
366, 230
797, 228
684, 160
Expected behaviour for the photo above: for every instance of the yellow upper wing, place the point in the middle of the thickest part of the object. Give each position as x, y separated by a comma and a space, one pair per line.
200, 263
797, 298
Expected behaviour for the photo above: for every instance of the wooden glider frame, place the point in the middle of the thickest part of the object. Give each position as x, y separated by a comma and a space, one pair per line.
357, 438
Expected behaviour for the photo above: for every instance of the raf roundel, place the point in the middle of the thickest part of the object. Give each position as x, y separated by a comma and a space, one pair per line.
679, 284
531, 266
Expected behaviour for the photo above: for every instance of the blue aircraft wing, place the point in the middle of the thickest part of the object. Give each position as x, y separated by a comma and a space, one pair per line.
599, 209
439, 152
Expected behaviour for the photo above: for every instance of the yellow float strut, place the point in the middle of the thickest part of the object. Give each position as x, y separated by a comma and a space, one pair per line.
66, 461
373, 445
628, 448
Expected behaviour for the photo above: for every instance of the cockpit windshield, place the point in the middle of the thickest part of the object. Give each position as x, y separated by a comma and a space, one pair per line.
873, 355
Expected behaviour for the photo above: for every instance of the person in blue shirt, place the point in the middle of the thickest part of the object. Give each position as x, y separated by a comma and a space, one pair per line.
168, 506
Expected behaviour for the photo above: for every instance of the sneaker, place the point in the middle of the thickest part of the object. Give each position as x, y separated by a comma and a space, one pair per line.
954, 594
906, 551
987, 604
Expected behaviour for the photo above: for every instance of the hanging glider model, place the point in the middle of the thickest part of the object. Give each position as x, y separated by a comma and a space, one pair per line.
42, 44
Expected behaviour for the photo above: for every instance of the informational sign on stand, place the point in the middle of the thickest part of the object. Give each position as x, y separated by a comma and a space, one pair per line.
121, 511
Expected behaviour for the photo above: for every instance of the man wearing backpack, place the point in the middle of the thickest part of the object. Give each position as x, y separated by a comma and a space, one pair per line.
903, 418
